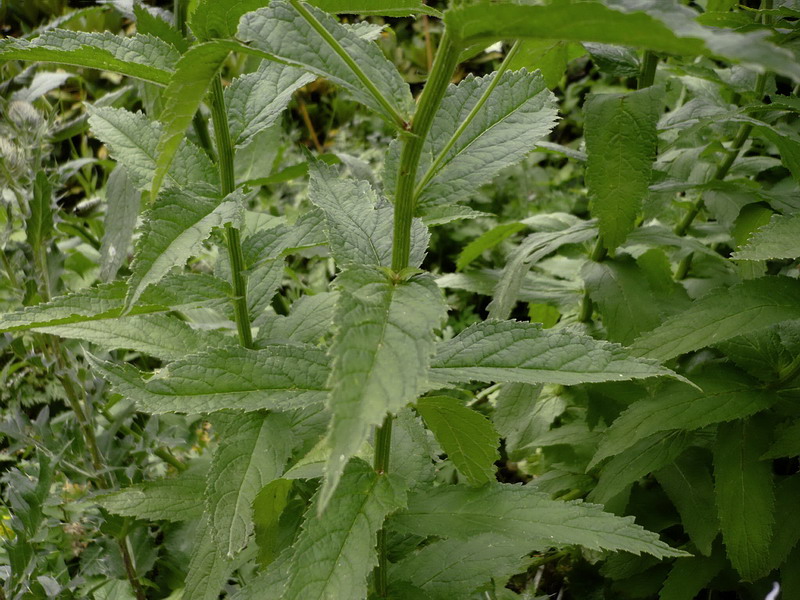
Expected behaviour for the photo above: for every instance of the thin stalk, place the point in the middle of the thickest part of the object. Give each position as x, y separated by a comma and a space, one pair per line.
232, 238
647, 74
350, 62
404, 203
470, 117
383, 446
179, 8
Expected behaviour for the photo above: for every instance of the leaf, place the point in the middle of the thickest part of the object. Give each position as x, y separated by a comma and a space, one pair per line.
520, 111
182, 97
687, 482
618, 61
451, 568
664, 27
211, 19
149, 23
310, 319
550, 57
39, 224
721, 315
141, 56
382, 346
132, 139
384, 8
278, 378
511, 351
623, 297
174, 230
524, 412
787, 534
745, 495
689, 576
645, 456
413, 442
208, 569
723, 395
268, 505
358, 231
780, 238
176, 499
467, 437
283, 32
621, 144
253, 451
786, 441
522, 515
486, 241
122, 210
334, 554
254, 101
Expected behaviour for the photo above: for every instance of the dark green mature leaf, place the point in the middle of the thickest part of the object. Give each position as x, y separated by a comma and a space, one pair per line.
185, 92
39, 223
132, 139
721, 315
255, 100
451, 568
465, 150
253, 451
467, 437
523, 515
687, 482
208, 569
385, 8
786, 441
122, 209
745, 495
723, 395
268, 505
149, 23
381, 351
142, 56
174, 230
277, 378
359, 230
177, 499
621, 143
334, 553
780, 238
667, 28
281, 31
689, 576
510, 351
787, 531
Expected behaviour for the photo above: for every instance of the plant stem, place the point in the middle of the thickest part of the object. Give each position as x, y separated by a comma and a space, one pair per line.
334, 44
404, 203
647, 74
226, 176
383, 445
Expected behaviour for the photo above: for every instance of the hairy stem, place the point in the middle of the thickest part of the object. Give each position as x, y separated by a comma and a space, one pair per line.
234, 244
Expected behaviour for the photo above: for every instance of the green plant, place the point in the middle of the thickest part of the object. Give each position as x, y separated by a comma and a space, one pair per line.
327, 478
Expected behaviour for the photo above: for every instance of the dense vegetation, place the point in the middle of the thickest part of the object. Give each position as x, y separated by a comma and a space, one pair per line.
349, 299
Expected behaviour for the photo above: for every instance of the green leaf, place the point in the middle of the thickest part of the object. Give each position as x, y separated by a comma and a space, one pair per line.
787, 534
689, 576
786, 441
721, 315
525, 516
382, 347
177, 499
185, 92
534, 248
687, 482
780, 238
549, 56
149, 23
211, 19
467, 437
174, 230
277, 378
745, 495
511, 351
723, 395
623, 297
253, 451
141, 56
132, 139
122, 210
486, 241
621, 143
39, 224
451, 568
283, 32
254, 101
208, 568
664, 27
310, 319
618, 61
519, 112
268, 506
523, 412
384, 8
413, 442
334, 554
358, 231
645, 456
